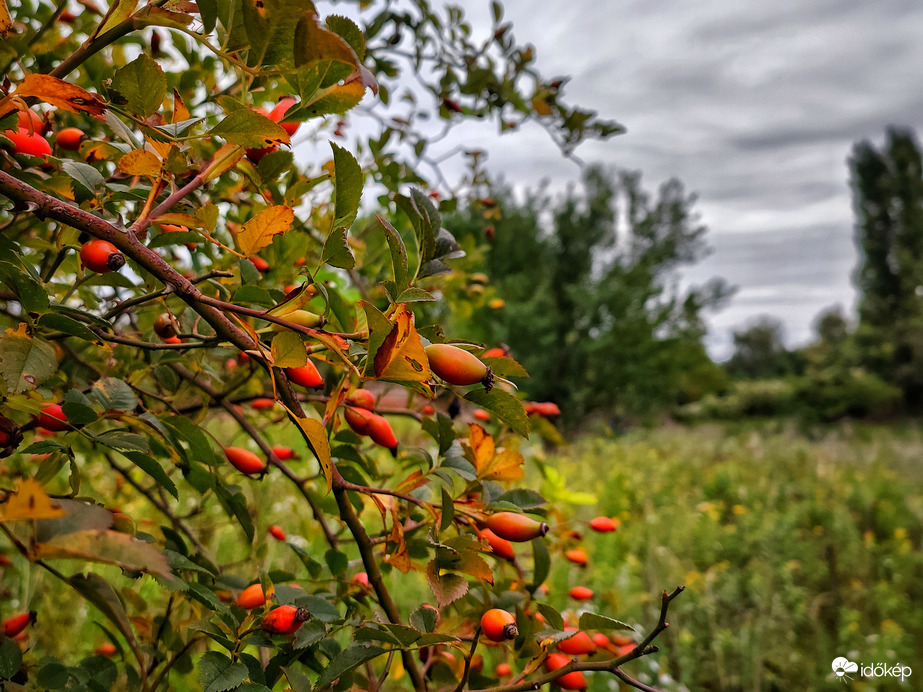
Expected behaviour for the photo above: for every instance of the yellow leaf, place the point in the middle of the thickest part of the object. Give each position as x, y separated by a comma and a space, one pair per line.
60, 94
505, 466
140, 162
316, 435
162, 148
224, 160
288, 350
119, 11
6, 23
401, 355
482, 445
30, 501
259, 231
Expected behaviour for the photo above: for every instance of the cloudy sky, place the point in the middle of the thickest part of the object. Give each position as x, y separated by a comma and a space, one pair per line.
754, 106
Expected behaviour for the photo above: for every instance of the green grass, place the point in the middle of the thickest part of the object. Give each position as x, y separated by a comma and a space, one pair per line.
793, 550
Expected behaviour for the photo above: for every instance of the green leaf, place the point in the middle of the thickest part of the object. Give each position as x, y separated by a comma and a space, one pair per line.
541, 561
447, 588
247, 128
320, 608
113, 394
100, 593
523, 498
309, 633
25, 362
288, 350
348, 180
448, 510
206, 596
505, 367
218, 673
43, 447
424, 618
152, 468
346, 29
52, 676
78, 408
552, 616
507, 408
142, 84
405, 635
346, 660
208, 12
593, 621
315, 45
398, 254
415, 295
83, 174
31, 294
10, 658
337, 252
379, 328
68, 325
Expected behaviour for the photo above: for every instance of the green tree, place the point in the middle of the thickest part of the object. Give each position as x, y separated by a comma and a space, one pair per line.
887, 184
760, 352
591, 301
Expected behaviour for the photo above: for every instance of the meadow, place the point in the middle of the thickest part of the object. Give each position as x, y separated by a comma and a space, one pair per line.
794, 549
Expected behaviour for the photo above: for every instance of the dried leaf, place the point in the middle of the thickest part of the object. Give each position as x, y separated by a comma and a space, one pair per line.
110, 547
259, 231
401, 355
60, 94
30, 501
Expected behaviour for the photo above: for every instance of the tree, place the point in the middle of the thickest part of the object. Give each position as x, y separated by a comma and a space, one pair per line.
760, 352
214, 390
888, 201
591, 301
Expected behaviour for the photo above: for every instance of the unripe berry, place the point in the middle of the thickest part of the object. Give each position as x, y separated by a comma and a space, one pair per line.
516, 527
457, 366
101, 256
244, 460
498, 625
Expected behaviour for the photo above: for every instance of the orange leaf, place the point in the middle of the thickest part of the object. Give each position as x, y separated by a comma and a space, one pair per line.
6, 23
506, 465
60, 94
259, 231
140, 162
180, 112
401, 356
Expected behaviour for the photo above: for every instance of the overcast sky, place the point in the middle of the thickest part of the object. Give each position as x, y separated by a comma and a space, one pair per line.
755, 106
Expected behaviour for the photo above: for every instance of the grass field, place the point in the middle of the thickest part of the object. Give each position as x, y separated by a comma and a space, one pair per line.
793, 551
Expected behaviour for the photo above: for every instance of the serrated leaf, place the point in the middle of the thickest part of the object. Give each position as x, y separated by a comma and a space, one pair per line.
346, 660
398, 254
247, 128
447, 588
594, 621
507, 408
114, 394
25, 362
415, 295
218, 673
309, 633
505, 367
337, 252
315, 45
347, 29
142, 84
424, 618
140, 162
83, 174
259, 231
348, 181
